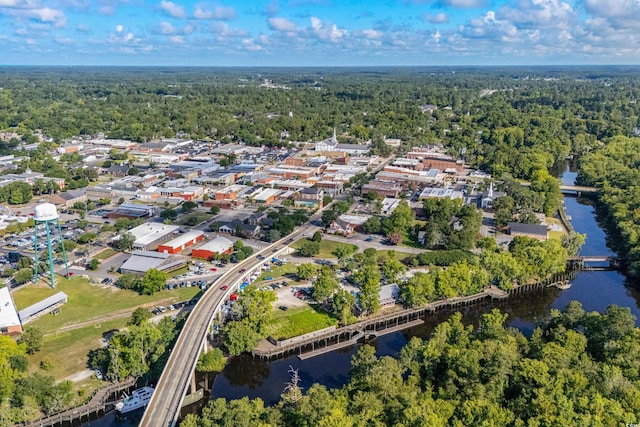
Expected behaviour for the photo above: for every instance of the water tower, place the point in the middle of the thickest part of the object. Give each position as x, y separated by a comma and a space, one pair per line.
47, 215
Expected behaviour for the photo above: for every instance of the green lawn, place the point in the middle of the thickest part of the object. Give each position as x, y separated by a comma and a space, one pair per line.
67, 351
326, 247
194, 218
278, 271
298, 321
398, 255
88, 301
106, 254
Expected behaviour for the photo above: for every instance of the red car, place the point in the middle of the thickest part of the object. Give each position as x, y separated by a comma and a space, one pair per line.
233, 297
69, 275
242, 271
214, 269
224, 288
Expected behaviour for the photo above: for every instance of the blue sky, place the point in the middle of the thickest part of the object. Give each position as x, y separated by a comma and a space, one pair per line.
319, 32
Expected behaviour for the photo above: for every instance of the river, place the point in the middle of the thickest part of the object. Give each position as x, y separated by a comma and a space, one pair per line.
246, 376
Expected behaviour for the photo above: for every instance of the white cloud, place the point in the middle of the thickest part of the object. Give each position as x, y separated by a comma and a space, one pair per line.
108, 7
165, 28
172, 9
119, 28
272, 8
436, 37
177, 39
373, 34
326, 33
282, 24
251, 45
464, 4
200, 13
223, 30
21, 4
219, 13
438, 18
32, 10
63, 40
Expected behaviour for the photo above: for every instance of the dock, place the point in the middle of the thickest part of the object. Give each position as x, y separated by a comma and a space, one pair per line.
100, 403
359, 335
329, 339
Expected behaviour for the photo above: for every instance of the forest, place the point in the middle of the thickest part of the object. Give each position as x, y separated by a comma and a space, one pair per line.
504, 120
576, 369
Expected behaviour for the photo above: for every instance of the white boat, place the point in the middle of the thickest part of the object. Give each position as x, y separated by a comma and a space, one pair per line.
138, 399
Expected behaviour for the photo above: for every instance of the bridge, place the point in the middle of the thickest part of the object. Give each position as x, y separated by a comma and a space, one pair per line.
578, 190
593, 263
178, 377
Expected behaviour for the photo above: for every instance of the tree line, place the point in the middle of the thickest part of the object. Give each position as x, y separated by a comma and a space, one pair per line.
576, 368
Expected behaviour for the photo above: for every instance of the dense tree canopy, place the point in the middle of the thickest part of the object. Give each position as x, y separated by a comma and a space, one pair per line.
577, 368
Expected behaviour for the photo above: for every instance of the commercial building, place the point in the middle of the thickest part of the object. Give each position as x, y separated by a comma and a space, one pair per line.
219, 245
381, 188
310, 198
141, 261
181, 242
9, 320
150, 234
440, 193
133, 211
346, 225
267, 196
68, 198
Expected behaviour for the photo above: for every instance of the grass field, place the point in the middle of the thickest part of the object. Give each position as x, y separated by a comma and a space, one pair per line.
326, 247
105, 254
278, 271
398, 255
298, 321
87, 301
67, 351
194, 218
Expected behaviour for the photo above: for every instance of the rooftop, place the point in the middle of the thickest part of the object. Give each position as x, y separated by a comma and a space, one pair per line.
8, 314
184, 238
150, 232
36, 308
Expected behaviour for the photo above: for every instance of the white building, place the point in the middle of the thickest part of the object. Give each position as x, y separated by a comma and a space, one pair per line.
332, 145
150, 234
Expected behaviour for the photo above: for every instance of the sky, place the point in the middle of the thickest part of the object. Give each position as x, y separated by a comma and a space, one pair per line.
319, 32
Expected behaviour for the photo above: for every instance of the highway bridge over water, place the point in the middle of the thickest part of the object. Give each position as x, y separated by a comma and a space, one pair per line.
577, 189
178, 377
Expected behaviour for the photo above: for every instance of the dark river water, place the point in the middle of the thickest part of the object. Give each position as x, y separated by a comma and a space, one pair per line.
245, 376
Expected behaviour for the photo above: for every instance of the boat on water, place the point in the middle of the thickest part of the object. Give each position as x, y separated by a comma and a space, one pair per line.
563, 285
138, 399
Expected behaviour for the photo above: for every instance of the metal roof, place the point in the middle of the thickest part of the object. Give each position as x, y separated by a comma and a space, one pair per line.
36, 308
183, 239
218, 245
141, 261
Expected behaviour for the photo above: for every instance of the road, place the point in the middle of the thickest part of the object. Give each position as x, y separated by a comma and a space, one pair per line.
164, 408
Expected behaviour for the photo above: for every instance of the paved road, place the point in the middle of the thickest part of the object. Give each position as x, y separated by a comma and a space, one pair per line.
164, 408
